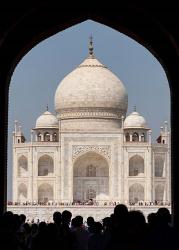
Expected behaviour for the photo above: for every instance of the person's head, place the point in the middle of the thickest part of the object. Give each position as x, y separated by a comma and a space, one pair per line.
151, 218
22, 218
57, 217
163, 216
136, 219
120, 214
42, 226
66, 216
90, 221
78, 221
120, 210
106, 222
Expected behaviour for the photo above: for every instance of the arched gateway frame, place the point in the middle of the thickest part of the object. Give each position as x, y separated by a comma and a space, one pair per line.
90, 178
163, 46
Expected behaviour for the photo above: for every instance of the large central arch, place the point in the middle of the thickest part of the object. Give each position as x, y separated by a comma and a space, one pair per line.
90, 178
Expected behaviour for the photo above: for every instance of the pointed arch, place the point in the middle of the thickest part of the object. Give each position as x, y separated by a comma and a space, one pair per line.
45, 193
127, 136
136, 165
159, 192
39, 137
135, 137
136, 193
143, 139
22, 192
45, 165
22, 166
46, 136
90, 177
159, 166
55, 137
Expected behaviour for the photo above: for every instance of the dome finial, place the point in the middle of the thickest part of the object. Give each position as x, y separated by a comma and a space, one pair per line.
91, 45
47, 107
134, 108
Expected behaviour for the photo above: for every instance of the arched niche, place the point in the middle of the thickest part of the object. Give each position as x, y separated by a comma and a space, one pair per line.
136, 193
136, 165
127, 135
46, 136
45, 193
159, 166
90, 177
135, 137
159, 192
45, 165
39, 137
22, 166
22, 193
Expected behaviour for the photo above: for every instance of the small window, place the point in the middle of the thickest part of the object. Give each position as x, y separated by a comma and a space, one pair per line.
39, 137
55, 137
143, 137
47, 137
127, 137
135, 137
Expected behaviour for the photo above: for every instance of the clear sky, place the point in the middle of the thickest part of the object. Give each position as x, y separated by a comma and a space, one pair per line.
38, 74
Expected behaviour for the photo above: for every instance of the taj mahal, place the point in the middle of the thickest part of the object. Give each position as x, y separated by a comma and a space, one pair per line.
90, 149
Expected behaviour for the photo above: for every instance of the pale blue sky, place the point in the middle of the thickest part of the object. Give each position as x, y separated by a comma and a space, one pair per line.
38, 74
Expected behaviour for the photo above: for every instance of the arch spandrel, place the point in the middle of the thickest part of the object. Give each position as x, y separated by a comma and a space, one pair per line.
79, 150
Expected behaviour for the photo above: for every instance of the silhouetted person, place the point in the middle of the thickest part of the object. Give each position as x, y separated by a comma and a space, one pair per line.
107, 223
67, 238
162, 236
81, 235
90, 224
136, 232
57, 219
119, 227
8, 227
40, 240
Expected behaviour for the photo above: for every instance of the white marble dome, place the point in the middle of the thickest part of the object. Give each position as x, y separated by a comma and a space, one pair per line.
91, 86
46, 120
135, 120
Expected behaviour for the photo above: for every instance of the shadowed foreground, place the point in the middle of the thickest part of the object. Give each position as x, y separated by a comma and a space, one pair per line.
123, 229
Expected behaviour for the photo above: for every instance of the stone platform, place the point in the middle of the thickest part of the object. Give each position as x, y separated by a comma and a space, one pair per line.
98, 212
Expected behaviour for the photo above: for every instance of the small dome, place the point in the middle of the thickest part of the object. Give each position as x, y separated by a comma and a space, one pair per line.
135, 120
47, 120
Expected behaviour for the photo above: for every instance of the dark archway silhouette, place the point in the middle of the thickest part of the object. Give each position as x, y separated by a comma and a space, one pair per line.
27, 25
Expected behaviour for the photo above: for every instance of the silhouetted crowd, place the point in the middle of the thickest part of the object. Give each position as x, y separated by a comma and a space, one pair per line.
123, 230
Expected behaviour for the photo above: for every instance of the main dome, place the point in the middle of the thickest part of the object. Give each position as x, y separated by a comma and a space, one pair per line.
91, 87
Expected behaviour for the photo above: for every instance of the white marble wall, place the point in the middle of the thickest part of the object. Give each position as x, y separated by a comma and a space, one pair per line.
73, 145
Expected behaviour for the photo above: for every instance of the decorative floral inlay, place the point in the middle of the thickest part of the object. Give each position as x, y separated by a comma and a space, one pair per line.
105, 150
